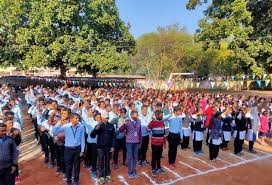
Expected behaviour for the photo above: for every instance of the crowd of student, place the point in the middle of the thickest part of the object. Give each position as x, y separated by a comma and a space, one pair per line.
11, 124
75, 124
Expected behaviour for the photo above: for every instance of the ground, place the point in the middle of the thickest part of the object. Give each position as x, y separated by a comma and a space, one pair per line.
248, 169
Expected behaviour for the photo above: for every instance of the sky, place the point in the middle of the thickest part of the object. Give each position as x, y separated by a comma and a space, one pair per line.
147, 15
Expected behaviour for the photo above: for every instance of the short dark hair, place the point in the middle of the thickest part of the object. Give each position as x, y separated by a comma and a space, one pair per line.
123, 110
144, 106
133, 112
5, 108
176, 108
66, 110
72, 115
158, 112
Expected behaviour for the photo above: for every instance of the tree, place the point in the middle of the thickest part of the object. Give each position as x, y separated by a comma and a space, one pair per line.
85, 34
244, 25
170, 50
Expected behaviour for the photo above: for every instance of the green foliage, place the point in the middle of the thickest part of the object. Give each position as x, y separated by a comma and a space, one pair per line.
245, 25
171, 50
86, 34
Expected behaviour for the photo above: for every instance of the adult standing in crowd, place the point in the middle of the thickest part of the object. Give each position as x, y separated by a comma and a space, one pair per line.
74, 134
8, 157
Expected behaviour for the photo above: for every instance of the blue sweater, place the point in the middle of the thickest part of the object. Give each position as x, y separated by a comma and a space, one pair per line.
8, 152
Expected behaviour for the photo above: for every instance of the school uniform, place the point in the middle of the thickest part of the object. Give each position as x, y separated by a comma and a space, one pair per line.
251, 136
198, 128
174, 137
59, 147
187, 131
18, 114
74, 145
47, 139
214, 137
145, 120
91, 144
239, 133
226, 129
120, 143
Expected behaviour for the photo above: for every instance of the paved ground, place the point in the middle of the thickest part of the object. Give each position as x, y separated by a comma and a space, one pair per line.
229, 169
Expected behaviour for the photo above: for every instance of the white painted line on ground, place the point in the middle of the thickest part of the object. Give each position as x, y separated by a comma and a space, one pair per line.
153, 182
122, 179
223, 160
189, 166
241, 158
262, 152
250, 154
175, 173
195, 158
218, 169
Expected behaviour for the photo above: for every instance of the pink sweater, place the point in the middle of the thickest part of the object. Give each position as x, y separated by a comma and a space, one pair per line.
264, 127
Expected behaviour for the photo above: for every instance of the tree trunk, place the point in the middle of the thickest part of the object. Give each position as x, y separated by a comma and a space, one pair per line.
94, 73
63, 70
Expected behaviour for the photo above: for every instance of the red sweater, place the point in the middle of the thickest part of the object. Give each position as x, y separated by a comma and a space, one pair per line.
158, 132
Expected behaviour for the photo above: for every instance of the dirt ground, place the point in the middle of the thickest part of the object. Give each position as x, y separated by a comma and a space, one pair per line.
249, 169
229, 169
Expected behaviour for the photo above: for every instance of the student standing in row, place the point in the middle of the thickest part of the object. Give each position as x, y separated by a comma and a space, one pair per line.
120, 138
198, 128
133, 140
240, 132
157, 141
215, 136
145, 120
175, 136
105, 133
74, 146
227, 120
91, 152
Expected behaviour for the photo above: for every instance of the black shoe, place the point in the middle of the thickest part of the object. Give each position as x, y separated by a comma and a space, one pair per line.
46, 160
140, 163
59, 171
252, 151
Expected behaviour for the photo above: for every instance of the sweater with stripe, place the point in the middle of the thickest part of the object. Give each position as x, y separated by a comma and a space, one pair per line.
158, 131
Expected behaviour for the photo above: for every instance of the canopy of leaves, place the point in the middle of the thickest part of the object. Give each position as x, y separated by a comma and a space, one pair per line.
171, 50
246, 27
86, 34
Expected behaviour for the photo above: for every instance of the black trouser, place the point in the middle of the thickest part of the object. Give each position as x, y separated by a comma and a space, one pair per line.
120, 144
213, 150
103, 162
224, 143
207, 138
238, 144
143, 149
173, 140
185, 142
156, 156
72, 162
37, 133
60, 157
91, 156
49, 147
250, 145
6, 178
197, 145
